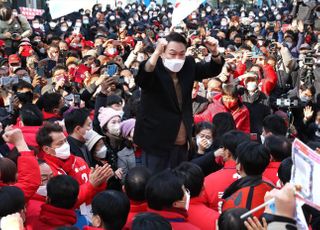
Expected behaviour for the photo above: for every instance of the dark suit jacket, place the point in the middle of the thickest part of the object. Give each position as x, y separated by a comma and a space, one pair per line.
159, 116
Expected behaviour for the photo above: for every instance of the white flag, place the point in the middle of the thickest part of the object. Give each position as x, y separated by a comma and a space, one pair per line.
183, 8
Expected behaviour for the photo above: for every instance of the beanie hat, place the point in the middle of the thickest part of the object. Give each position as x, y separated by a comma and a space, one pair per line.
127, 126
106, 114
11, 199
92, 138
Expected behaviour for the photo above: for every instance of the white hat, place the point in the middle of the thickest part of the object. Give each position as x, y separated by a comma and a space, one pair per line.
92, 138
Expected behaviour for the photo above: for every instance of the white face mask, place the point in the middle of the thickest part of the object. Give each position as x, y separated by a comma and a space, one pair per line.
114, 129
63, 152
69, 23
85, 21
223, 23
52, 24
140, 57
64, 29
36, 25
199, 139
78, 24
42, 190
252, 86
88, 134
111, 51
187, 204
174, 65
101, 154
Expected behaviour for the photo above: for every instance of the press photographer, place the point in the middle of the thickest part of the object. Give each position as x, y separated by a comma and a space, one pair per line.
13, 29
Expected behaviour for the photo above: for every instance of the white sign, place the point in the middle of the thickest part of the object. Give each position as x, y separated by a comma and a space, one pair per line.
306, 173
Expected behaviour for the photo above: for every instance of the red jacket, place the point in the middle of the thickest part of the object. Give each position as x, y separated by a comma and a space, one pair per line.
74, 166
270, 79
91, 228
29, 177
248, 196
33, 208
52, 217
135, 208
217, 182
29, 134
201, 216
271, 173
177, 219
77, 168
241, 115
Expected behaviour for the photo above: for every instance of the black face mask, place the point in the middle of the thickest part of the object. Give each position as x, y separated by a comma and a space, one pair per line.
237, 44
25, 98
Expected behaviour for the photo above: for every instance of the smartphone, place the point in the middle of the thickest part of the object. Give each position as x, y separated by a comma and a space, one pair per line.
6, 81
111, 70
77, 100
40, 71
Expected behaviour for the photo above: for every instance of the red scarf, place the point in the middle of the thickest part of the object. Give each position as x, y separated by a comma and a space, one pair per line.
47, 115
54, 216
60, 164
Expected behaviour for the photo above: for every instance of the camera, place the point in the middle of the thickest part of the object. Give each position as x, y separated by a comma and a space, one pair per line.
287, 103
15, 36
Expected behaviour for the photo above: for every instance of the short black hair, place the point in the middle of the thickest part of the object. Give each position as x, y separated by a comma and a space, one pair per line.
113, 99
232, 139
31, 115
135, 183
230, 90
253, 157
275, 124
112, 207
149, 220
63, 191
230, 219
176, 37
76, 117
163, 189
193, 177
202, 126
21, 85
43, 135
279, 147
284, 170
12, 200
49, 101
222, 123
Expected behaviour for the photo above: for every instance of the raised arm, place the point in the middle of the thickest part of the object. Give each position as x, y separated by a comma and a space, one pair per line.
28, 169
212, 68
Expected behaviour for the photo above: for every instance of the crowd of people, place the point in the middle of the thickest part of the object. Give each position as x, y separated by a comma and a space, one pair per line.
115, 119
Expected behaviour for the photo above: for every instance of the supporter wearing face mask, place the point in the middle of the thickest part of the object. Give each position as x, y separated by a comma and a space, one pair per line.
78, 125
13, 28
256, 102
109, 121
199, 103
167, 196
204, 139
229, 102
304, 113
169, 65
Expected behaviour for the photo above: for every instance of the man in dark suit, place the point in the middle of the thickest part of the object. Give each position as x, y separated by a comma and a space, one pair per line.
164, 120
